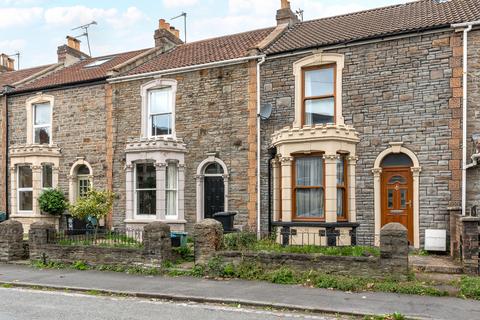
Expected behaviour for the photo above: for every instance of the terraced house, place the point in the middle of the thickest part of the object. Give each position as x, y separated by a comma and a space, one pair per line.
367, 111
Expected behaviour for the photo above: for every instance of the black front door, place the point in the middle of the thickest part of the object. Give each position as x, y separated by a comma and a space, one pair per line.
214, 196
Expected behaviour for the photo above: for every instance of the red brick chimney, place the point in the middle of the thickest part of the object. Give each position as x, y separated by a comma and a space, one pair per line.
285, 14
70, 53
6, 63
166, 36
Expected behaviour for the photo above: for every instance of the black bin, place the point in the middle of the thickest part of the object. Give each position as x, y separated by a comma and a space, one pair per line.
226, 219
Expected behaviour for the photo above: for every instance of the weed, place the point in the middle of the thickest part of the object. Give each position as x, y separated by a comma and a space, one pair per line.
7, 285
470, 287
393, 316
80, 265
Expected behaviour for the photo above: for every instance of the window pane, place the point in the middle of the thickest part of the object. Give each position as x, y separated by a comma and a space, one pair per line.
309, 203
24, 177
42, 114
83, 186
397, 160
146, 202
25, 201
319, 82
47, 176
171, 178
340, 202
397, 179
159, 100
83, 169
403, 198
42, 135
161, 124
341, 170
319, 111
309, 171
146, 176
390, 199
214, 168
171, 209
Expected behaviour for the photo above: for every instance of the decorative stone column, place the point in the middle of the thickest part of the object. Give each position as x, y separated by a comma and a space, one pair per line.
416, 206
287, 184
181, 192
37, 187
377, 184
352, 205
200, 179
161, 201
129, 191
330, 187
55, 170
13, 188
277, 189
72, 188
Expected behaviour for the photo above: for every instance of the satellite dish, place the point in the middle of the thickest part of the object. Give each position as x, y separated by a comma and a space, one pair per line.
265, 111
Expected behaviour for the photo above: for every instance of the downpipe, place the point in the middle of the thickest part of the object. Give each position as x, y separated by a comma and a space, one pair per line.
259, 149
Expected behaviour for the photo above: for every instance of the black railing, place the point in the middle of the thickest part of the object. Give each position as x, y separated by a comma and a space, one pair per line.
118, 238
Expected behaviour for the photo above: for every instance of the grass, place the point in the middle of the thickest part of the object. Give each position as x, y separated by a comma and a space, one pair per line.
217, 269
393, 316
244, 241
470, 287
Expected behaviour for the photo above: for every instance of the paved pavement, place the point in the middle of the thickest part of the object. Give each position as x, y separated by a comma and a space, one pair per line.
25, 304
245, 292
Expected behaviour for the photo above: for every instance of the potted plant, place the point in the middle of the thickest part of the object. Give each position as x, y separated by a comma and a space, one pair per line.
94, 206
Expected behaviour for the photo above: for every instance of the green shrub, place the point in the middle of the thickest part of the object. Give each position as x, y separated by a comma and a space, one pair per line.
470, 287
52, 201
282, 276
80, 265
185, 253
239, 240
229, 270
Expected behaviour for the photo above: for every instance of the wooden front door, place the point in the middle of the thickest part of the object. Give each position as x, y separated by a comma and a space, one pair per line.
397, 198
214, 195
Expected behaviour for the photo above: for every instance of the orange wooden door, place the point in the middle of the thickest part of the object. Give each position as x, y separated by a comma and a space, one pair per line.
397, 198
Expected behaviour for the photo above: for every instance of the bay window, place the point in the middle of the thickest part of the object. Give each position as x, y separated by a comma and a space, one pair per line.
145, 189
25, 188
319, 94
160, 113
309, 189
42, 123
47, 176
342, 187
171, 191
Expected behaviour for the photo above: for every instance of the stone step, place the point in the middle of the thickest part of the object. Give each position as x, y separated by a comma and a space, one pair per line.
430, 268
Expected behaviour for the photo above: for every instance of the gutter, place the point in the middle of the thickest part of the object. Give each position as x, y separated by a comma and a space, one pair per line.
184, 69
259, 149
467, 28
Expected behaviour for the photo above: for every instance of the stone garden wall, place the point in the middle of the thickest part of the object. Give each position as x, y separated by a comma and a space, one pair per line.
392, 262
11, 241
156, 248
465, 241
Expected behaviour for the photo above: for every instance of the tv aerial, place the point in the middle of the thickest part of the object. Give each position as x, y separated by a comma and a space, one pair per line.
85, 33
184, 15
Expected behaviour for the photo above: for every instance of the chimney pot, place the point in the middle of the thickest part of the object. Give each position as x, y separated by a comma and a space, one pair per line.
285, 14
73, 43
6, 63
285, 4
166, 36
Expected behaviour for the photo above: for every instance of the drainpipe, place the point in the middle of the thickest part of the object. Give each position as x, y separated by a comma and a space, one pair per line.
259, 149
467, 28
273, 153
4, 93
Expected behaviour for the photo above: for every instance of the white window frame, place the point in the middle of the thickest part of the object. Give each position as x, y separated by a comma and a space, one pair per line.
146, 122
35, 126
167, 216
151, 114
30, 103
135, 195
23, 190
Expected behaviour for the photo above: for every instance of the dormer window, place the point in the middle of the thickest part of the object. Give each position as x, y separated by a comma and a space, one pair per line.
42, 123
319, 94
160, 111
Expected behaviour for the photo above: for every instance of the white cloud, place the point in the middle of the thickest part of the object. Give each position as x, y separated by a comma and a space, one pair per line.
179, 3
10, 46
127, 19
19, 17
70, 16
19, 2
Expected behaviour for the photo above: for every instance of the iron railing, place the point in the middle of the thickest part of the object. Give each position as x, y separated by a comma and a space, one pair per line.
120, 238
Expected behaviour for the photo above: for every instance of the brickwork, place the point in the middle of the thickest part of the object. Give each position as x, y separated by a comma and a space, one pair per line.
211, 116
397, 90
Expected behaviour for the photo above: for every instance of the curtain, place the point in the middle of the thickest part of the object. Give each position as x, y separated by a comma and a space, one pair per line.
309, 203
171, 190
309, 171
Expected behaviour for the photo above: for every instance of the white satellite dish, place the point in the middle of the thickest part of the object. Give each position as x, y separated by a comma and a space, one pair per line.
265, 111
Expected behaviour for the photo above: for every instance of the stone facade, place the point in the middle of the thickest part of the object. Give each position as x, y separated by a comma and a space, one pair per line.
78, 133
211, 111
393, 91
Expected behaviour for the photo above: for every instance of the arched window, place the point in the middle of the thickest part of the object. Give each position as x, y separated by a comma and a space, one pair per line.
396, 160
83, 180
80, 180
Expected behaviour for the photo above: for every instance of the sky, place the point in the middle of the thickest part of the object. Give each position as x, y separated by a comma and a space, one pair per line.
35, 28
